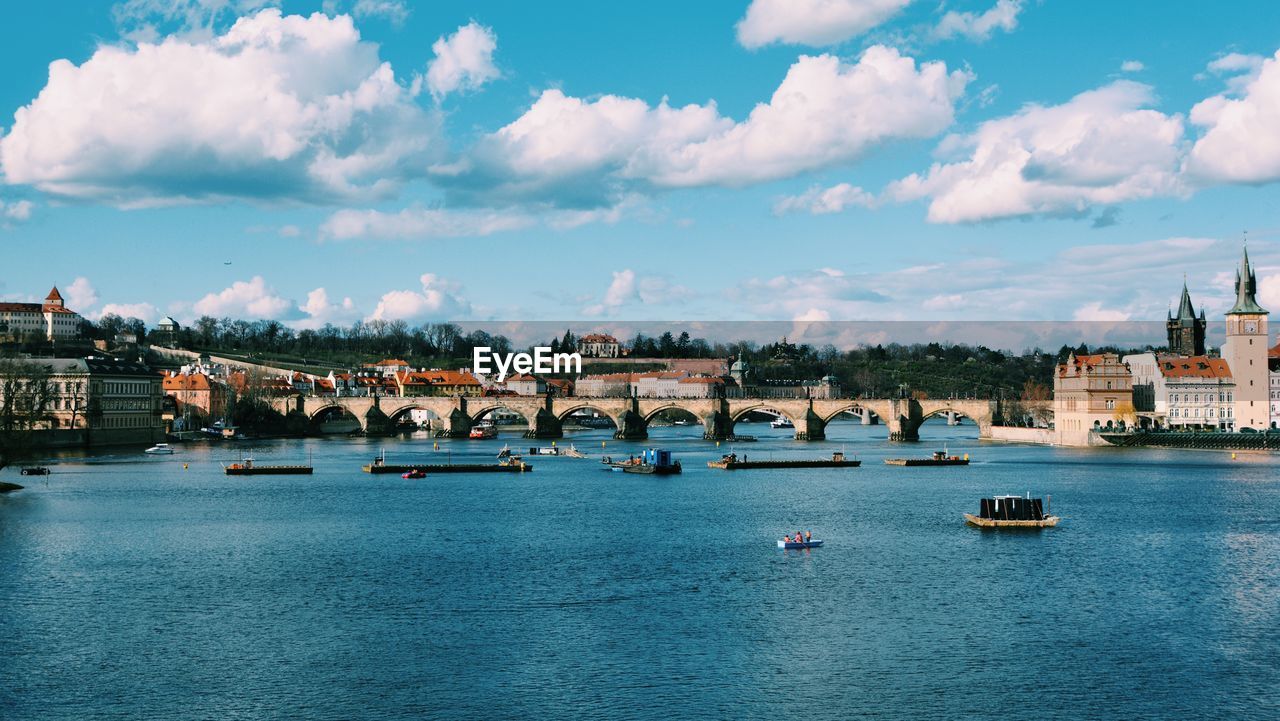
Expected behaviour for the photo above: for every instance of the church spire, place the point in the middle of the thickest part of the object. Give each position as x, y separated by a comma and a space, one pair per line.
1246, 288
1185, 310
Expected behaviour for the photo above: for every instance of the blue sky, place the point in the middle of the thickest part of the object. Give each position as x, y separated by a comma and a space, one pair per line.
746, 160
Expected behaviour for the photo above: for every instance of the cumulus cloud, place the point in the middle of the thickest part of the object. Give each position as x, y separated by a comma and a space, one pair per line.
1241, 138
573, 152
320, 310
438, 299
251, 299
812, 22
147, 20
1132, 66
821, 201
80, 294
463, 61
631, 289
276, 107
1101, 147
145, 312
979, 26
1095, 312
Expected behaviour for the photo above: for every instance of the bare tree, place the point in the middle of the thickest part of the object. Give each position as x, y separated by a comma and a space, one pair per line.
26, 395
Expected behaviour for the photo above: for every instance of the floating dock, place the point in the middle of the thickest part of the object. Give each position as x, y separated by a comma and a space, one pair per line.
732, 463
237, 469
1012, 512
940, 458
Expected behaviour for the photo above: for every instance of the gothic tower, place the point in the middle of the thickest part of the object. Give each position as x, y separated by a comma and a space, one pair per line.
1246, 352
1186, 331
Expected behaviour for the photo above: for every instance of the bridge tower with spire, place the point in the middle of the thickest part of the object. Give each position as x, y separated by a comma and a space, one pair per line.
1186, 329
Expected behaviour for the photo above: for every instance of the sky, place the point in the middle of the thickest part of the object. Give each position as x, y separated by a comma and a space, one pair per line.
746, 160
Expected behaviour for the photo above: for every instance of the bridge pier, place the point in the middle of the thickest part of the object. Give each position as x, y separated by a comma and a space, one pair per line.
545, 424
811, 427
376, 422
631, 426
868, 418
904, 420
952, 418
717, 426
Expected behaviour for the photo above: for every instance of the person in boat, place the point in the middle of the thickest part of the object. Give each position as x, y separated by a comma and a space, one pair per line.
808, 536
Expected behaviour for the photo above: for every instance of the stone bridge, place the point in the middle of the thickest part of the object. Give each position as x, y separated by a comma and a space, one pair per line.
455, 416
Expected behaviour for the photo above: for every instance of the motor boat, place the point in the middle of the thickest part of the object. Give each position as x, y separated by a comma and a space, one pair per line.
781, 422
160, 449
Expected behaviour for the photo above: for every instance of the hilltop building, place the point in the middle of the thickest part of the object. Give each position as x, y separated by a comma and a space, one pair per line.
599, 345
1186, 330
51, 319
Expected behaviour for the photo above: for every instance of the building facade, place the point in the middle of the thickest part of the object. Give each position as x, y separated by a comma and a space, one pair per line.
195, 395
51, 320
599, 345
115, 401
1246, 352
1091, 393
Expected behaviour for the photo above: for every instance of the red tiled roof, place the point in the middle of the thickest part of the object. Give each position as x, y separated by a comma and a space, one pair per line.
21, 308
387, 362
54, 294
191, 382
1194, 367
597, 338
701, 379
450, 378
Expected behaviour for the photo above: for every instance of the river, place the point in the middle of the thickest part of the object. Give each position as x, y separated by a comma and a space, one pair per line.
158, 588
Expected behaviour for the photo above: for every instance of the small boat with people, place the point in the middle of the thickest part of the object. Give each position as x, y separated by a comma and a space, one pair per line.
939, 458
160, 449
654, 461
35, 471
1012, 512
414, 473
799, 540
731, 462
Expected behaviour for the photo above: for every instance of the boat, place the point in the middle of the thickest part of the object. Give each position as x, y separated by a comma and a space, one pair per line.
939, 458
1012, 512
505, 452
731, 462
682, 422
512, 464
781, 422
799, 544
35, 471
482, 432
160, 449
740, 439
612, 465
571, 452
656, 462
247, 467
414, 473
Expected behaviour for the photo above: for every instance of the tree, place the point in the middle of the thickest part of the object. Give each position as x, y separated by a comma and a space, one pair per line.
26, 395
1124, 414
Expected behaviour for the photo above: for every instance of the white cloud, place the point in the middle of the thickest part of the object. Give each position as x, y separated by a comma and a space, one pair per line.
1095, 312
820, 201
439, 299
147, 20
277, 107
251, 299
1241, 140
289, 231
464, 60
319, 310
1132, 66
631, 289
146, 312
1269, 291
17, 211
812, 22
1103, 146
578, 153
1233, 63
979, 26
80, 294
394, 11
422, 223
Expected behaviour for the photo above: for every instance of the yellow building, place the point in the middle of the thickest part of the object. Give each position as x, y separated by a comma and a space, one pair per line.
1091, 393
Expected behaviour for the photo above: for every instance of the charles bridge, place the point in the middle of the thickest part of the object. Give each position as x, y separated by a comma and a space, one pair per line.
546, 415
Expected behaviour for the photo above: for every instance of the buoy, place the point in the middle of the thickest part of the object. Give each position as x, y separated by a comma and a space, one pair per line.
602, 444
184, 466
553, 444
717, 444
437, 444
966, 456
1233, 456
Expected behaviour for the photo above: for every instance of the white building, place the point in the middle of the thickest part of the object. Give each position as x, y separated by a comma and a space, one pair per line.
1273, 362
1183, 391
50, 319
526, 384
599, 345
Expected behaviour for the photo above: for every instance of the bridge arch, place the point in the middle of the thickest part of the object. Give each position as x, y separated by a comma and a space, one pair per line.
478, 414
769, 408
682, 410
851, 407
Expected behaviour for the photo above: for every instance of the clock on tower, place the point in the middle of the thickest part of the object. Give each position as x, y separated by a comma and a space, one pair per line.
1246, 353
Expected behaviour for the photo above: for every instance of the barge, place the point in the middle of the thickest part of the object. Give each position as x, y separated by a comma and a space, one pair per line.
513, 464
654, 462
939, 458
246, 467
1012, 512
731, 462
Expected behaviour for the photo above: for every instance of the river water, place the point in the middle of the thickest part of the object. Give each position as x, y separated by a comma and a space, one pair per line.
158, 588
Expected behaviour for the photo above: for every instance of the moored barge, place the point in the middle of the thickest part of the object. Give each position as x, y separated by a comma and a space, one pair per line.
247, 467
731, 462
939, 458
1011, 512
